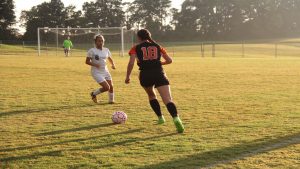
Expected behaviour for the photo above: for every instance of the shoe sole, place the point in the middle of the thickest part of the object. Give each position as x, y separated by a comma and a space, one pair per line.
94, 98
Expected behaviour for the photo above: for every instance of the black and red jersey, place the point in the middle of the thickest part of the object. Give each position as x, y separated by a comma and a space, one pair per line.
148, 55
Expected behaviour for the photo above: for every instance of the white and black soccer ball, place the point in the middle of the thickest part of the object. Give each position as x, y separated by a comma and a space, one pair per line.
119, 117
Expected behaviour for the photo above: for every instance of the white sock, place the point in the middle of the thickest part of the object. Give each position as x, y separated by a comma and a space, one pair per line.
111, 97
96, 92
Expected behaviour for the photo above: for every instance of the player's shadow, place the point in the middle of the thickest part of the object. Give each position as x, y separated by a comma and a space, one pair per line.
75, 129
70, 141
31, 156
126, 142
27, 111
226, 155
59, 152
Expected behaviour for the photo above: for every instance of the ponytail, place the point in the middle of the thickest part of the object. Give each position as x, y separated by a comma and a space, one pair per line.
151, 40
144, 34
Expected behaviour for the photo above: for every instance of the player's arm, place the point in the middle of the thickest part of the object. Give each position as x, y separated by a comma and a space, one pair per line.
89, 62
130, 67
167, 58
111, 61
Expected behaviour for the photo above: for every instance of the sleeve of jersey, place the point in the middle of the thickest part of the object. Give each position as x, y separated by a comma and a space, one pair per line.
163, 51
132, 51
109, 53
89, 54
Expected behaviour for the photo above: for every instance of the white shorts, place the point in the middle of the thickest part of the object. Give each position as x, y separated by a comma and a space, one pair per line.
101, 76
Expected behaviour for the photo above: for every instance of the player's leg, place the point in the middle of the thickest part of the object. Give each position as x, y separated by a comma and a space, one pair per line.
65, 51
103, 83
165, 93
154, 104
111, 97
68, 51
108, 79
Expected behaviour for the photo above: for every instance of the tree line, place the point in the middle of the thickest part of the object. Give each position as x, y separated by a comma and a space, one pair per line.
196, 20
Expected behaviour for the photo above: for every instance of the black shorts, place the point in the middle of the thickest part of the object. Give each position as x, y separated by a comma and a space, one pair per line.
154, 78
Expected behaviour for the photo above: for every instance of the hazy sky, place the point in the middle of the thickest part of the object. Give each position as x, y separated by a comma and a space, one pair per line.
27, 4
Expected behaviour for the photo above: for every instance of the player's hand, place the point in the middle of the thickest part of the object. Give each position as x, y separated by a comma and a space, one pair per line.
127, 80
113, 67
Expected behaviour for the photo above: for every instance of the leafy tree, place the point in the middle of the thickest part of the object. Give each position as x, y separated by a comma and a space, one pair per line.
73, 18
238, 19
7, 19
150, 14
103, 13
50, 14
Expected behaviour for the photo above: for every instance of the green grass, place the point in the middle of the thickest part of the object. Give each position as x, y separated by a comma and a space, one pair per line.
238, 113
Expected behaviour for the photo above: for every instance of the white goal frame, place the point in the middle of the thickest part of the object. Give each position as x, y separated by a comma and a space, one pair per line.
69, 28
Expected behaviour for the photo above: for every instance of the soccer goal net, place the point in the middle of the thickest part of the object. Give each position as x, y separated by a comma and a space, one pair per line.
50, 40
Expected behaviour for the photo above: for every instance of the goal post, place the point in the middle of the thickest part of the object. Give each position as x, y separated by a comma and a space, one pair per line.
117, 39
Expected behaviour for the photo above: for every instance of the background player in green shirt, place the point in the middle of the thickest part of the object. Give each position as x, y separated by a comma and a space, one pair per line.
67, 46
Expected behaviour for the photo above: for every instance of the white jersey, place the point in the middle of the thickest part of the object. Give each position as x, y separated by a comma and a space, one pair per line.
98, 56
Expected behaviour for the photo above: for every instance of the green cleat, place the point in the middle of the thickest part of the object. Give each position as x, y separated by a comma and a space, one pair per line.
161, 120
178, 124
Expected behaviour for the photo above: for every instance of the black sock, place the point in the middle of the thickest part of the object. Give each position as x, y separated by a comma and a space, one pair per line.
155, 107
172, 109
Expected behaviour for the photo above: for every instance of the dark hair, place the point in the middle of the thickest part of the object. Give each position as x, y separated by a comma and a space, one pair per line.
144, 34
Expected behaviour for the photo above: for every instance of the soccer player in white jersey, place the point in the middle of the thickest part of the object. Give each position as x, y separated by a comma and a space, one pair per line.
96, 58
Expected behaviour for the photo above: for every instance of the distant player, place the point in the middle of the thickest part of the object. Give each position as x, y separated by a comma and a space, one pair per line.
96, 58
67, 46
148, 54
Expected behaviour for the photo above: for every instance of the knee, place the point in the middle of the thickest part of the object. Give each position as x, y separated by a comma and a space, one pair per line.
106, 88
167, 100
151, 96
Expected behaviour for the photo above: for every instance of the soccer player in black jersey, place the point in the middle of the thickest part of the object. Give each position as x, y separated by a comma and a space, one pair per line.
148, 55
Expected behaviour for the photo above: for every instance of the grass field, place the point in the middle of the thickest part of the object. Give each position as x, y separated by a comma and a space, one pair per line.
238, 113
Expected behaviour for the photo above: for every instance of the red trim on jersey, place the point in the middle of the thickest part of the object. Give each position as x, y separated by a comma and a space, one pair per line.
163, 51
132, 51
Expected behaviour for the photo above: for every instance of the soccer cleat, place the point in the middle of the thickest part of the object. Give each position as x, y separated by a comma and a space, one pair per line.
178, 124
111, 102
161, 120
94, 98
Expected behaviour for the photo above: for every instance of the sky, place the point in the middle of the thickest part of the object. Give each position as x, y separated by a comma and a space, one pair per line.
21, 5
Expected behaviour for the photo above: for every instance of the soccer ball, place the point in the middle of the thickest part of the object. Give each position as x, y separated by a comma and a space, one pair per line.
119, 117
